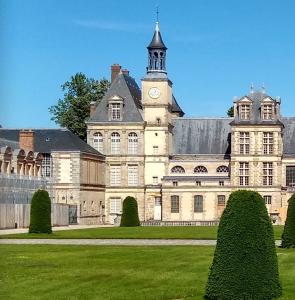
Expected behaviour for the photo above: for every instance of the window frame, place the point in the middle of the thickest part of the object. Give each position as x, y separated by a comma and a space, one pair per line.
132, 171
115, 175
115, 143
174, 201
198, 203
132, 143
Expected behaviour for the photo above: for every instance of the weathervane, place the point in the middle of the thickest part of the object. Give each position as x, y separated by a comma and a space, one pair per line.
157, 12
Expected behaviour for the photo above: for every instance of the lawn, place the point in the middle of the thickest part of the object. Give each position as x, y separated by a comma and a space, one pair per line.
173, 232
114, 273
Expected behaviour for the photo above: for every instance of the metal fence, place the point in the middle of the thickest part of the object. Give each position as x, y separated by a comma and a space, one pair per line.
18, 189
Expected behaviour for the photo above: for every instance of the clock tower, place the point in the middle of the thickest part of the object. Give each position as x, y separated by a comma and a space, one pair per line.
157, 105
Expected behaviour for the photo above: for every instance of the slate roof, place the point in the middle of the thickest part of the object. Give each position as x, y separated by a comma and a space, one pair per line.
8, 143
48, 140
255, 117
157, 41
175, 107
212, 136
125, 87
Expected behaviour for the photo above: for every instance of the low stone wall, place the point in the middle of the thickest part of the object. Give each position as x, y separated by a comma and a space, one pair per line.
18, 215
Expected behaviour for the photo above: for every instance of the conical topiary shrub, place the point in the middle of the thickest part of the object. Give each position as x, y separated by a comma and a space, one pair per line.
245, 262
130, 213
40, 217
288, 236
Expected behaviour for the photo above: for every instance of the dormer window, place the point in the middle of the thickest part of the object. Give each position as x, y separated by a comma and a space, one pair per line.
267, 112
115, 111
244, 111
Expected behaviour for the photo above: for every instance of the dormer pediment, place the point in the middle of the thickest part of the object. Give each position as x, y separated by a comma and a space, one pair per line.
267, 100
116, 98
245, 100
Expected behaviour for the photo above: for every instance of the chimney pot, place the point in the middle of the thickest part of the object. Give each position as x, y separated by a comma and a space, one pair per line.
115, 70
92, 108
26, 139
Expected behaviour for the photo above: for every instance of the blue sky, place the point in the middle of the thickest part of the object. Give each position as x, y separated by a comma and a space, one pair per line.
215, 50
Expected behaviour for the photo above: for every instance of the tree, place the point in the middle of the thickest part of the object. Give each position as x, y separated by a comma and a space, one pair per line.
288, 236
245, 262
130, 213
72, 111
230, 112
40, 217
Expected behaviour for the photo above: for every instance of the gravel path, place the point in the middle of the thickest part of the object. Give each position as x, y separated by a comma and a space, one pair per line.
114, 242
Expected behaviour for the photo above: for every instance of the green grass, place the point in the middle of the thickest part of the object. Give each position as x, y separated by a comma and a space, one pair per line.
173, 232
114, 273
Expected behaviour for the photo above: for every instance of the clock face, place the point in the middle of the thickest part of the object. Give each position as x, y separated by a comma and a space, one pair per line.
154, 93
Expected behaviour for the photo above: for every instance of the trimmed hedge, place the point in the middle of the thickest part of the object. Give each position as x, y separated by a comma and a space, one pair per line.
288, 236
40, 217
245, 263
130, 213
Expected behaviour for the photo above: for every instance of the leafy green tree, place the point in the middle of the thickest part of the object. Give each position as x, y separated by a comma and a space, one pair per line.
230, 112
130, 213
288, 236
72, 111
40, 216
245, 263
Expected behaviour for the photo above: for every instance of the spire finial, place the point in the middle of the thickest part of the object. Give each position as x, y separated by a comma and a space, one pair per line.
157, 12
263, 88
251, 88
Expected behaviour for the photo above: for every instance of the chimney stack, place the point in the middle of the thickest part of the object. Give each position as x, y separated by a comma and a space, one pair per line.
125, 71
92, 108
115, 69
26, 140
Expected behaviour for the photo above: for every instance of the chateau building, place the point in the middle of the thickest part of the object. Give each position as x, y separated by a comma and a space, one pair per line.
183, 169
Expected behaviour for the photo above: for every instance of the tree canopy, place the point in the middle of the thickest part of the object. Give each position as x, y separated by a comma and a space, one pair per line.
288, 236
230, 112
130, 213
74, 108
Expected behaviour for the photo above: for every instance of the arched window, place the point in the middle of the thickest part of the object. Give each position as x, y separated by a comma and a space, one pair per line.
222, 169
98, 141
115, 143
132, 143
177, 169
200, 169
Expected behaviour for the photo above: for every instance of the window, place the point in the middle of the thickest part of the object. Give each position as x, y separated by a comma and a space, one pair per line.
175, 183
158, 121
177, 169
198, 203
115, 175
46, 165
115, 111
132, 175
267, 112
132, 143
221, 183
115, 206
98, 141
244, 111
115, 143
84, 205
244, 173
244, 142
267, 200
222, 169
267, 173
198, 183
200, 169
267, 142
155, 179
175, 204
221, 200
155, 149
290, 175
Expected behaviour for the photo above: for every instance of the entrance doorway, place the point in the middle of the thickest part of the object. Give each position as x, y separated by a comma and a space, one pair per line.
158, 208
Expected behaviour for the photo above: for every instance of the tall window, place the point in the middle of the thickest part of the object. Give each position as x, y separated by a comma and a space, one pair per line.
244, 142
46, 165
155, 180
115, 111
244, 111
267, 142
115, 205
115, 143
177, 169
290, 175
132, 175
115, 175
155, 149
198, 203
200, 169
98, 141
221, 200
267, 200
175, 204
267, 112
244, 173
132, 143
222, 169
267, 173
